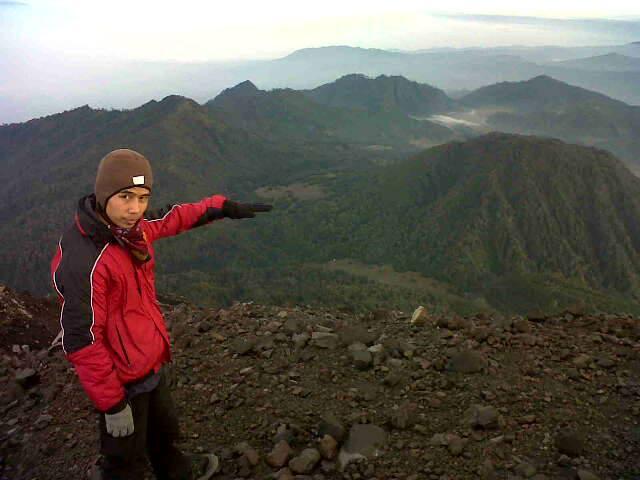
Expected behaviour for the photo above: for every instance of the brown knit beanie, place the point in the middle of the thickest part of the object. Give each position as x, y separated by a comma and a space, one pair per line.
121, 169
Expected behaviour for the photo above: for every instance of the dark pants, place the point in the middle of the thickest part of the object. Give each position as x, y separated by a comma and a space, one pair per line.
156, 431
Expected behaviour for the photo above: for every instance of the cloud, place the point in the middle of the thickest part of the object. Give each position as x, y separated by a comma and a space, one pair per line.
625, 29
9, 3
532, 20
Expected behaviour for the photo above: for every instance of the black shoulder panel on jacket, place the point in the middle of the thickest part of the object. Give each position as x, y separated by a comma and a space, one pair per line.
73, 280
158, 213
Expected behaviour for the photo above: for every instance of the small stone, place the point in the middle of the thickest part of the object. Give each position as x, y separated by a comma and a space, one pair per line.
522, 325
284, 433
327, 466
487, 471
241, 345
467, 361
27, 378
527, 419
328, 447
367, 439
456, 445
284, 474
291, 326
439, 440
581, 361
570, 443
393, 378
362, 360
526, 470
305, 462
300, 340
326, 340
606, 362
252, 456
564, 461
43, 421
357, 333
330, 425
419, 316
244, 467
405, 416
357, 347
587, 475
279, 456
478, 416
573, 373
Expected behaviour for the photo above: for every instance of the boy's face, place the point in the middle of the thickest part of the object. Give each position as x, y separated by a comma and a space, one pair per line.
125, 208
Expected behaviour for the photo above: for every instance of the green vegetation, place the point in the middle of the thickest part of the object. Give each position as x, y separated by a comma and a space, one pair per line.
507, 223
498, 223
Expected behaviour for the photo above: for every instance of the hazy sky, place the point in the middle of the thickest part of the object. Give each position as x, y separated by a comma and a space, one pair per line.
190, 30
58, 54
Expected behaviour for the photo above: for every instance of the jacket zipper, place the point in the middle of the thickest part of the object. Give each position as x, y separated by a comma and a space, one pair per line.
135, 274
124, 350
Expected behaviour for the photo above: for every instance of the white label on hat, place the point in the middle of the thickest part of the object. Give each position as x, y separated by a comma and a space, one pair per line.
139, 180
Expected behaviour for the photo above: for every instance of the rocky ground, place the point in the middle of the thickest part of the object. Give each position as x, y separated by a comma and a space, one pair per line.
315, 394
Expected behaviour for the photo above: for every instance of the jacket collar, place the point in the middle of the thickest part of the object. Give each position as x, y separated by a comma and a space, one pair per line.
89, 224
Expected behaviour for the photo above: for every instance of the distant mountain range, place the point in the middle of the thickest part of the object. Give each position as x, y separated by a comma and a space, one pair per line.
448, 69
456, 69
609, 61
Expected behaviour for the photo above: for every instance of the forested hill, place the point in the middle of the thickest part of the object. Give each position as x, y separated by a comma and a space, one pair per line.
545, 106
383, 93
47, 164
519, 221
502, 222
537, 94
285, 115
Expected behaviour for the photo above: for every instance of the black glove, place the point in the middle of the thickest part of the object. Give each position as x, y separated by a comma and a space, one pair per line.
237, 210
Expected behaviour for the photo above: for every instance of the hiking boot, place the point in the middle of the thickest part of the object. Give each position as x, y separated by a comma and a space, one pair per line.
204, 466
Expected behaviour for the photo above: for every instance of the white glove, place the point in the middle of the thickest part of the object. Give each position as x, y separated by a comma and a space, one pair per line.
120, 424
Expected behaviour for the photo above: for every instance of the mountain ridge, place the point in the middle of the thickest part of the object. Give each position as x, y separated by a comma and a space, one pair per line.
548, 107
535, 94
291, 115
382, 93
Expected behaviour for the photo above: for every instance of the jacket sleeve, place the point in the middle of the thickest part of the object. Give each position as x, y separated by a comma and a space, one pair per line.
83, 318
175, 219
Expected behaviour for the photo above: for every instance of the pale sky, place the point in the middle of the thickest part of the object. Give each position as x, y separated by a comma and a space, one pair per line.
190, 30
59, 54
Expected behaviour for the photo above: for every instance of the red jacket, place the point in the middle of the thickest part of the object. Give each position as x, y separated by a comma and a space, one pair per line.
113, 330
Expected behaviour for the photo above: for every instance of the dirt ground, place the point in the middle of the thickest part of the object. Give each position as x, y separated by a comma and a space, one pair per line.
458, 398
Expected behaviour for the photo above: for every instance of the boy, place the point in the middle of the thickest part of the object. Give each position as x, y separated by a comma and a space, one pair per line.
113, 331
